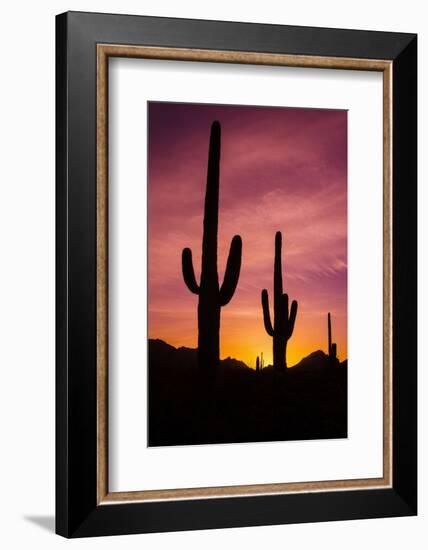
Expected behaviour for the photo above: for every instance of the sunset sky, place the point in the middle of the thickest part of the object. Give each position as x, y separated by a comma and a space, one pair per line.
282, 169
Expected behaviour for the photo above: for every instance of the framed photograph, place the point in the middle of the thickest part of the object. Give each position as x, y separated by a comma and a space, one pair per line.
236, 274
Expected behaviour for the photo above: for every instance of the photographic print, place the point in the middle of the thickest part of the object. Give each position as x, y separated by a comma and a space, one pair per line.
247, 274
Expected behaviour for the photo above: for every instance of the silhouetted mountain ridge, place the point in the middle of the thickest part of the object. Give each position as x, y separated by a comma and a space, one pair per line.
166, 357
239, 404
315, 360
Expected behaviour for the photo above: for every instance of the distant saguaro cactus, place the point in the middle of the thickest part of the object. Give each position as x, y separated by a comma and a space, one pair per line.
284, 319
257, 365
211, 296
332, 348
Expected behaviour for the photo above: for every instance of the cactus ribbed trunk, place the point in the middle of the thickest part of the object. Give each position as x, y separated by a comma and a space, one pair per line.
209, 307
279, 337
211, 296
329, 335
208, 333
284, 319
279, 353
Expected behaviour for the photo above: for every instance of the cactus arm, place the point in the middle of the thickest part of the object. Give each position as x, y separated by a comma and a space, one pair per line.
233, 268
188, 271
292, 318
266, 314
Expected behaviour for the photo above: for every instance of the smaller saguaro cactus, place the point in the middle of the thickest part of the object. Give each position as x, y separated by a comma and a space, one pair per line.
284, 318
257, 365
332, 347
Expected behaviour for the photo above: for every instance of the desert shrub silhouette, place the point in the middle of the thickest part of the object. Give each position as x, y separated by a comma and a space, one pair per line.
284, 319
211, 296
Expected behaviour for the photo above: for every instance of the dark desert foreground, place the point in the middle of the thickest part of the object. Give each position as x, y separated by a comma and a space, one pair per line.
308, 401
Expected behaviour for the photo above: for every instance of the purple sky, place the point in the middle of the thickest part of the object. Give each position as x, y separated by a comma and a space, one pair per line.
281, 169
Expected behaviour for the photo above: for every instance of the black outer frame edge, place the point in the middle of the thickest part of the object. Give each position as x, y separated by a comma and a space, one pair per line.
61, 252
77, 514
76, 282
220, 513
235, 36
405, 274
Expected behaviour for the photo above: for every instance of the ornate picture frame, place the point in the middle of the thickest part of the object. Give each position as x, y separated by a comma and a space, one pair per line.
85, 42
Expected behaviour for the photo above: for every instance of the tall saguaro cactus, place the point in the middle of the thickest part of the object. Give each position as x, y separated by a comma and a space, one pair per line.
211, 296
332, 348
284, 319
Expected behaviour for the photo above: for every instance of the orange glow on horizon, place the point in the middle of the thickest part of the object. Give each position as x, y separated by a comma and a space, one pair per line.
245, 338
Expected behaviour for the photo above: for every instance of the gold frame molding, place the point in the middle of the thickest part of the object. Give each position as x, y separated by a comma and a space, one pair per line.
104, 52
